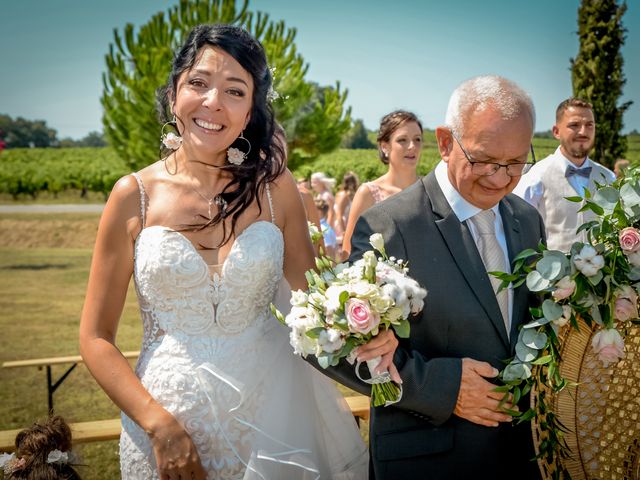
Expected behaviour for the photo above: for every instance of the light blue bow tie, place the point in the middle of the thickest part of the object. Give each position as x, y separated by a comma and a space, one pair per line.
582, 172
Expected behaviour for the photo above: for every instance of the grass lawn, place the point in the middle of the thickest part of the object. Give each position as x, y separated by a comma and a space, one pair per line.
42, 295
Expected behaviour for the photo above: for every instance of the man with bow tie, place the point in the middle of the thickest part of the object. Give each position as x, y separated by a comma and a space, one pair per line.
566, 173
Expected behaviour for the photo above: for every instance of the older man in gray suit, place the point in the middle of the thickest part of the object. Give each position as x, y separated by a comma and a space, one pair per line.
453, 226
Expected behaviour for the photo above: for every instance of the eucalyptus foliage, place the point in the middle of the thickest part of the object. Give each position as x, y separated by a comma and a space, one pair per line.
139, 61
597, 74
592, 298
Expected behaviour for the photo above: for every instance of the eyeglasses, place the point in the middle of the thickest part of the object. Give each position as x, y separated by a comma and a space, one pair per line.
487, 169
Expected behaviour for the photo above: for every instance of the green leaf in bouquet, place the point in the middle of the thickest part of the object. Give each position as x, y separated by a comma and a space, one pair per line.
538, 322
525, 353
634, 274
542, 360
402, 328
315, 332
551, 310
594, 207
607, 198
587, 226
323, 361
536, 282
595, 279
630, 193
595, 314
575, 199
341, 323
553, 265
523, 255
534, 340
516, 371
344, 296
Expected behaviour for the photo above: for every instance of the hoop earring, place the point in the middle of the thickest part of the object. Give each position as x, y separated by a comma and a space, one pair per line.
169, 139
237, 156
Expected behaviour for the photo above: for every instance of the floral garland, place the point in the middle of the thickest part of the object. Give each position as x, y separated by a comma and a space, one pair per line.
597, 282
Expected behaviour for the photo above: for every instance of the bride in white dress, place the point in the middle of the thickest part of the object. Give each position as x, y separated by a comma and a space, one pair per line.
210, 235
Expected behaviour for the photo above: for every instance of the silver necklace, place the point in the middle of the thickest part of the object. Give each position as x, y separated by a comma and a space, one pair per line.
216, 200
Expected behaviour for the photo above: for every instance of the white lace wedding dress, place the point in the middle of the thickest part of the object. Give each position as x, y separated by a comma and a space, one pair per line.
215, 357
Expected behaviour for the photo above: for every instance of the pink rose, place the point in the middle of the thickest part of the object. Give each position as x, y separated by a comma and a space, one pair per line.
564, 288
360, 317
626, 306
608, 345
629, 240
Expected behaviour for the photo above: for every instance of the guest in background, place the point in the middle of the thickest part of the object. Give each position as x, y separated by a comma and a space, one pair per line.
344, 198
566, 173
43, 452
313, 216
399, 147
323, 187
328, 233
620, 166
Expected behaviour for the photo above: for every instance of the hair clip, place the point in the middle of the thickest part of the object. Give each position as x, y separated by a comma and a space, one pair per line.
9, 463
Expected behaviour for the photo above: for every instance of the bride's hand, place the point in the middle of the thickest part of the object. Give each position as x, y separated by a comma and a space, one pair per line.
176, 455
382, 345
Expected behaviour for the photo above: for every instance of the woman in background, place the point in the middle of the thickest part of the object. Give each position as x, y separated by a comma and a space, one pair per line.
399, 147
344, 198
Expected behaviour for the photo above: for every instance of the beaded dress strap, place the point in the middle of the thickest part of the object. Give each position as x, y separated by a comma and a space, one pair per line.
273, 215
143, 198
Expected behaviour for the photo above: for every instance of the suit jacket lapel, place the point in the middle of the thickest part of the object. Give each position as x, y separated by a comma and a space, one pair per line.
463, 249
511, 227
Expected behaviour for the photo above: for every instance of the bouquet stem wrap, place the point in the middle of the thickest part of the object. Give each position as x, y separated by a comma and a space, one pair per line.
384, 391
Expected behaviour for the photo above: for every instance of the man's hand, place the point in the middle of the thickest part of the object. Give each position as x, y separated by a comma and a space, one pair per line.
477, 400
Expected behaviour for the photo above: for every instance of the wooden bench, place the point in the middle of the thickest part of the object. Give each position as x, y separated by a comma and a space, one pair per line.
52, 386
101, 430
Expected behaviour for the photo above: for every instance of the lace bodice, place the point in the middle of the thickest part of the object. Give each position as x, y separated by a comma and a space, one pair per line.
179, 296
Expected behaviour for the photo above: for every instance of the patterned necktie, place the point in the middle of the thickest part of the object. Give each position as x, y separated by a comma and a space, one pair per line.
492, 257
581, 172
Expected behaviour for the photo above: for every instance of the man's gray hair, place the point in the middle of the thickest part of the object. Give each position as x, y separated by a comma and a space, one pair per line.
478, 93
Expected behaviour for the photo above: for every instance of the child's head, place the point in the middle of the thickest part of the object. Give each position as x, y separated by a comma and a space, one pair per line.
322, 206
43, 452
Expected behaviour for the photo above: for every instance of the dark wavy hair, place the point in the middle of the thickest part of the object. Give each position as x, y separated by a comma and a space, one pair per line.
34, 444
267, 158
389, 124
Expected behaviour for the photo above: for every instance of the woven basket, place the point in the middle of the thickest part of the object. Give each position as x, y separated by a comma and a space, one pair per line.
602, 413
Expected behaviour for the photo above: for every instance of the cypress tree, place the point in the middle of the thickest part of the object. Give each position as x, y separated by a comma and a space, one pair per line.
597, 74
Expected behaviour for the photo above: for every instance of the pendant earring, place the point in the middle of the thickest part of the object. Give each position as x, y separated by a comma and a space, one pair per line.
170, 139
237, 156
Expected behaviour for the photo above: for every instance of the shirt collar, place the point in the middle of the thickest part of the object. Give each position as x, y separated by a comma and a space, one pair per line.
461, 207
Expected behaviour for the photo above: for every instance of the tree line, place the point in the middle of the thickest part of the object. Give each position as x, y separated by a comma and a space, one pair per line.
22, 133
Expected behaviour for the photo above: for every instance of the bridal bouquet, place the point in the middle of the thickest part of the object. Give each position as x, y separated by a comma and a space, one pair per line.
596, 281
347, 305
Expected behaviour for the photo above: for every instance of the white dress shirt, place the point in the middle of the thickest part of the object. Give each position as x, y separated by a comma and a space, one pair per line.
465, 210
531, 187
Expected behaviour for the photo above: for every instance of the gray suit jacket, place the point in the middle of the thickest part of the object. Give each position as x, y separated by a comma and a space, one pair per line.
420, 437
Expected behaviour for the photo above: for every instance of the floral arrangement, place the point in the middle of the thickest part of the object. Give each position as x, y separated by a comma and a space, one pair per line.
596, 281
347, 305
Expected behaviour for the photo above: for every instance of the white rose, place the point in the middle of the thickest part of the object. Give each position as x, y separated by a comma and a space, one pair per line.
302, 344
363, 289
299, 298
332, 302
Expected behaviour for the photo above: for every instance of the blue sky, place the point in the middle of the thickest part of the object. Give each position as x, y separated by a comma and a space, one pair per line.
389, 54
